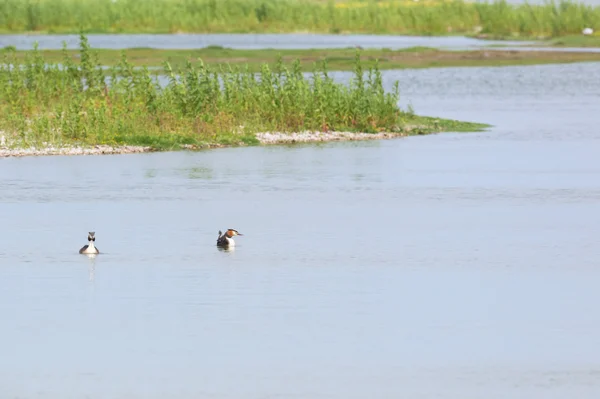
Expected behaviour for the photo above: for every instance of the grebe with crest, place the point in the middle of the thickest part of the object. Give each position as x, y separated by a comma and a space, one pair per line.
90, 248
226, 240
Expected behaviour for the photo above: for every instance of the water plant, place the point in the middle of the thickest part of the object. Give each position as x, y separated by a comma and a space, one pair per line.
70, 102
497, 18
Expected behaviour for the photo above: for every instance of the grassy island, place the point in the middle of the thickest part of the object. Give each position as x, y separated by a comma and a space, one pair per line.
49, 103
498, 18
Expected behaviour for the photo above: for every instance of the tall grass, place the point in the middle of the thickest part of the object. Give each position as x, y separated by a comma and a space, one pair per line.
497, 18
79, 103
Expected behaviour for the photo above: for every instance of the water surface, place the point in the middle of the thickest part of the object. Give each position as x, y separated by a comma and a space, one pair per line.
447, 266
274, 41
245, 41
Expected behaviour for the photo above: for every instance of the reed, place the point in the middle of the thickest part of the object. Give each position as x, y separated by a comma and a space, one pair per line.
45, 103
497, 18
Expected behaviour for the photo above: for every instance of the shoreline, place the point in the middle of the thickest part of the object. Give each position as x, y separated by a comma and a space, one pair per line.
265, 139
6, 152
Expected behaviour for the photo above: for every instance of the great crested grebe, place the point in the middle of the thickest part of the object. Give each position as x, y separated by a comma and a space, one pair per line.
90, 248
226, 240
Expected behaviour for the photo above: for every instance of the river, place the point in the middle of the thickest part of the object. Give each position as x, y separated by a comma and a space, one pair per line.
446, 266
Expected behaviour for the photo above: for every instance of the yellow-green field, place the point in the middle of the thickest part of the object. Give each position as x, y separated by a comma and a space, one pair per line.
423, 17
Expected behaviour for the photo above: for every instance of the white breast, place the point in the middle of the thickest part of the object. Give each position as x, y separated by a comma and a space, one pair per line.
91, 249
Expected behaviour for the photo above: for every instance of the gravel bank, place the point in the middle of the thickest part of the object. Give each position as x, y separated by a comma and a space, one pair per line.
264, 138
310, 137
95, 150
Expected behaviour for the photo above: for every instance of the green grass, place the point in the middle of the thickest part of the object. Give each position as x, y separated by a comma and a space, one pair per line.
576, 41
564, 41
337, 59
42, 103
497, 18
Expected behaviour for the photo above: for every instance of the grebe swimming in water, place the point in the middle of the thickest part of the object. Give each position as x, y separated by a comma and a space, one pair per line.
90, 248
226, 240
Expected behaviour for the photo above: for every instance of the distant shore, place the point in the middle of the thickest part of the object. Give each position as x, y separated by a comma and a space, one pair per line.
337, 59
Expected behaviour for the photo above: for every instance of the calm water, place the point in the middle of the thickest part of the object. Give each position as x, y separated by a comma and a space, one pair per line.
246, 41
273, 41
449, 266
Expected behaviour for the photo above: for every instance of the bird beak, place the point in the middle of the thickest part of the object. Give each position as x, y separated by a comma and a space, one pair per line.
239, 234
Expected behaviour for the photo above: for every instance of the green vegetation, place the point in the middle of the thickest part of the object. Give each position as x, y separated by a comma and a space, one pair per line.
337, 59
576, 41
439, 17
43, 102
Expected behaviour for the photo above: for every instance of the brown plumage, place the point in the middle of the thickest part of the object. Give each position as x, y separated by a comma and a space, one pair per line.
226, 240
